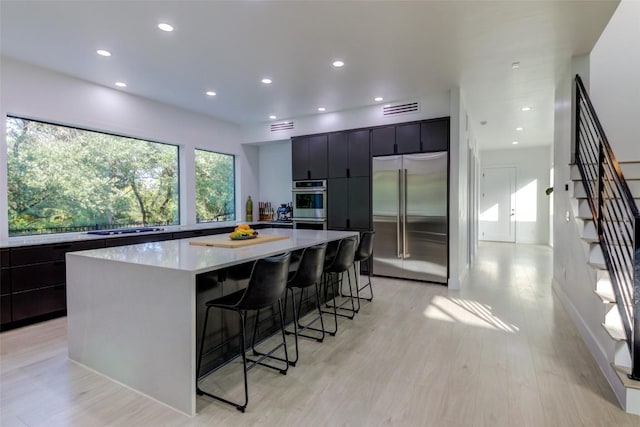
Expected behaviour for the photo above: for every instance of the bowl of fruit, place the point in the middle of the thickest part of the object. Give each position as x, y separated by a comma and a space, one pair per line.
243, 232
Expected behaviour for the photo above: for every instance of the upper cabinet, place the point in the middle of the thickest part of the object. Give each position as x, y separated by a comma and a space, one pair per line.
434, 135
349, 154
407, 138
383, 141
309, 157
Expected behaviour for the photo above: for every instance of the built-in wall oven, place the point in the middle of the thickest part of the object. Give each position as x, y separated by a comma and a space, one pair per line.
310, 204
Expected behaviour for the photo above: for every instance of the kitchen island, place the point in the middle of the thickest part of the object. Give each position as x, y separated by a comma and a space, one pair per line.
132, 309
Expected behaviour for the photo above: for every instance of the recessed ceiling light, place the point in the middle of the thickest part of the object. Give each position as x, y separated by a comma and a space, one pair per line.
378, 99
103, 52
211, 93
515, 65
483, 122
526, 108
515, 142
165, 27
266, 81
121, 84
272, 117
321, 109
519, 128
338, 63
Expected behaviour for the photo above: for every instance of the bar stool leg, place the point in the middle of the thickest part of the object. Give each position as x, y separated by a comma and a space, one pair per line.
204, 334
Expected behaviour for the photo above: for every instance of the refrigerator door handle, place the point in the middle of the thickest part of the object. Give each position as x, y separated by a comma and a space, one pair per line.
398, 213
405, 219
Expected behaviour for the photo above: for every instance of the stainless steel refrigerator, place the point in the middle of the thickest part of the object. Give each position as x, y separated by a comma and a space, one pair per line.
410, 216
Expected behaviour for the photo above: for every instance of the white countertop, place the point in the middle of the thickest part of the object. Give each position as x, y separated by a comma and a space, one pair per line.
180, 255
41, 239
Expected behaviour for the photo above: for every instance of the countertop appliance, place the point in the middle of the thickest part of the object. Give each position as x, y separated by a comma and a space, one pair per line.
310, 204
410, 216
284, 212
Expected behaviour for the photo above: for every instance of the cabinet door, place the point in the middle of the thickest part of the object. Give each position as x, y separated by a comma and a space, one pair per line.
337, 203
338, 155
435, 135
359, 203
383, 141
5, 281
359, 153
34, 276
133, 240
4, 257
38, 302
318, 157
408, 138
5, 309
300, 158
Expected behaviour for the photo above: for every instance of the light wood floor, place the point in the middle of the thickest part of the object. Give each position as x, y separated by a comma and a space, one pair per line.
501, 352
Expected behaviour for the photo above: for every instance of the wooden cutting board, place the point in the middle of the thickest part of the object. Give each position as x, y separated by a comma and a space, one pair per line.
226, 242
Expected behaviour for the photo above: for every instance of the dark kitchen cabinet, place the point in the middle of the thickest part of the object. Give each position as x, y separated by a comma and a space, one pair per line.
435, 135
5, 287
383, 141
27, 277
5, 309
39, 302
309, 157
348, 203
133, 240
408, 138
349, 154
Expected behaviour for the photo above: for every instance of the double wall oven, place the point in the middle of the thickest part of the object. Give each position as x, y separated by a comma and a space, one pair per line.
310, 204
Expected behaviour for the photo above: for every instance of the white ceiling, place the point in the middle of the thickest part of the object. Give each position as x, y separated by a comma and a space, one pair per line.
397, 50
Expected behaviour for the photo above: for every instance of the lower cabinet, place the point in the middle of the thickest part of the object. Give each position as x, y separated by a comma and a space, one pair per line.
5, 309
39, 302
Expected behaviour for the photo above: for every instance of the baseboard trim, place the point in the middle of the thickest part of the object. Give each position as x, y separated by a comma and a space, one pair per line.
598, 353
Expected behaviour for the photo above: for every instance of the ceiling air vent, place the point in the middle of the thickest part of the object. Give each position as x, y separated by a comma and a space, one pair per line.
398, 109
281, 126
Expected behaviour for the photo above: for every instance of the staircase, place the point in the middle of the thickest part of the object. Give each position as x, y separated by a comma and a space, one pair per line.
605, 196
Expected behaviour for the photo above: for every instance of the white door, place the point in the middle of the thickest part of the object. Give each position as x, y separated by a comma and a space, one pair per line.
497, 204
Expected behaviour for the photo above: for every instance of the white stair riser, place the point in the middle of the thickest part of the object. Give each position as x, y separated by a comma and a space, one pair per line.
580, 193
622, 357
630, 170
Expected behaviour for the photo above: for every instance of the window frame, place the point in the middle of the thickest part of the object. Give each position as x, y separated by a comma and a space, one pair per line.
195, 178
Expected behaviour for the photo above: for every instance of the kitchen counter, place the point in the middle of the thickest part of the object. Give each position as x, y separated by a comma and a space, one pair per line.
41, 239
132, 309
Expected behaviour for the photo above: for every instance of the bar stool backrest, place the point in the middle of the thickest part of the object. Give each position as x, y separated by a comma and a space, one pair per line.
267, 283
365, 248
311, 265
345, 255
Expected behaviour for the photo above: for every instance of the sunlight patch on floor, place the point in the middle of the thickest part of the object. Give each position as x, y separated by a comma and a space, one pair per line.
468, 312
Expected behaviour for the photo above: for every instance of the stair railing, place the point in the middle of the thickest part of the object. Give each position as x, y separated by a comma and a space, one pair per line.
615, 215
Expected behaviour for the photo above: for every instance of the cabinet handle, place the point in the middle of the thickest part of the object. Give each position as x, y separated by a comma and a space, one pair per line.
395, 148
348, 223
348, 173
61, 247
308, 174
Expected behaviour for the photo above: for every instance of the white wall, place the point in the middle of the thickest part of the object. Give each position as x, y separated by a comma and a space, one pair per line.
532, 170
458, 191
573, 280
36, 93
275, 173
437, 105
615, 82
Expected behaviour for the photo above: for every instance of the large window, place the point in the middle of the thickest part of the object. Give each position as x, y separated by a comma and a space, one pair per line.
63, 179
215, 187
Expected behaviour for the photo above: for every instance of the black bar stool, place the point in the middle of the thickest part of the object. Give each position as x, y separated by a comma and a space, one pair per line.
266, 287
334, 272
363, 254
308, 273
